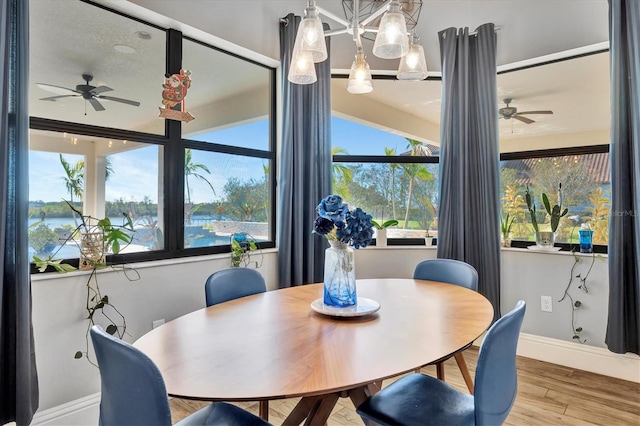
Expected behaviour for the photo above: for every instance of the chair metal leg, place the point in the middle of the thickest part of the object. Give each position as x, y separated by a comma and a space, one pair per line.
264, 410
462, 365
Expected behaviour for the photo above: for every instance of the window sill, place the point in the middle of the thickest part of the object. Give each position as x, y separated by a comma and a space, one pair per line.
402, 247
41, 276
559, 252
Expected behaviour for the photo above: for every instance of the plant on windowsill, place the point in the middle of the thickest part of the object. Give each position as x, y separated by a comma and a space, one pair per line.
381, 231
428, 238
505, 230
242, 246
97, 238
544, 238
384, 225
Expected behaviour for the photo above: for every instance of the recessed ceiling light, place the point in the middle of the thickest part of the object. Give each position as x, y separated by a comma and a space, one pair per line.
123, 48
143, 35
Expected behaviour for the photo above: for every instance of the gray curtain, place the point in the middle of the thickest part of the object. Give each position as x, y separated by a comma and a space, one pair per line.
305, 166
18, 377
623, 328
468, 213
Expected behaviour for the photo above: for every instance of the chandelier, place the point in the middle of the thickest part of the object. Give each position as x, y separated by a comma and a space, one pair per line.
392, 41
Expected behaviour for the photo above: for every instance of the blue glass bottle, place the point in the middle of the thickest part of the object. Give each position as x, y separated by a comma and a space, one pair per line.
586, 240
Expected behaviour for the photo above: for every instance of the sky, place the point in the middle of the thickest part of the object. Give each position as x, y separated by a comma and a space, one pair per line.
135, 172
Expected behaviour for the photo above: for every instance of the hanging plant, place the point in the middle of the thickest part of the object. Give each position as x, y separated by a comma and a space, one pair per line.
95, 239
242, 246
576, 304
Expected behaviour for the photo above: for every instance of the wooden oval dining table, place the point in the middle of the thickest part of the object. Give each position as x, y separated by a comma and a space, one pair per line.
273, 345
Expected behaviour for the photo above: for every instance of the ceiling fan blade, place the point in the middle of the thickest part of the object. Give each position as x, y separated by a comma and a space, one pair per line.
54, 98
95, 104
124, 101
535, 112
57, 89
523, 119
100, 89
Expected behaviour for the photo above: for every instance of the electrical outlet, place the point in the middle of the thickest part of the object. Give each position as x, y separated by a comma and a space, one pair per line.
157, 323
546, 304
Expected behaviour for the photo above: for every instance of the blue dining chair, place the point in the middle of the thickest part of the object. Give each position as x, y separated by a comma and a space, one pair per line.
233, 283
133, 391
452, 272
418, 399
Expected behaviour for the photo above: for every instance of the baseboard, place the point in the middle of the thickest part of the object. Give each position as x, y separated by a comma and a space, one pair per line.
80, 412
579, 356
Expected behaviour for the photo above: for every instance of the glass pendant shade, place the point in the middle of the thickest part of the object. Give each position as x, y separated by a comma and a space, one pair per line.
359, 76
413, 65
310, 36
302, 69
391, 40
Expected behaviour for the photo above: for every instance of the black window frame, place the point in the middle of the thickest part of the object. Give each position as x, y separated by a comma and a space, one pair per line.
174, 146
397, 159
505, 156
558, 152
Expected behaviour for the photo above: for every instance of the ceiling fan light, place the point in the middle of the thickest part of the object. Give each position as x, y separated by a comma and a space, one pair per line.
310, 36
302, 69
391, 40
413, 65
359, 76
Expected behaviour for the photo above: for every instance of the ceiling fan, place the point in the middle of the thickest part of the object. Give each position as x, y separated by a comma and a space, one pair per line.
87, 92
509, 112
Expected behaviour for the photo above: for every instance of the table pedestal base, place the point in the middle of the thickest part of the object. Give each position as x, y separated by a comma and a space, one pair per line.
315, 410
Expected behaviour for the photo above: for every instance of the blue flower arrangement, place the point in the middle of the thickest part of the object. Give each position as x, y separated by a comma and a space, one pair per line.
337, 223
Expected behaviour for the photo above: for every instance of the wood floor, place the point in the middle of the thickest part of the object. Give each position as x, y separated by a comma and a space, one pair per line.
548, 394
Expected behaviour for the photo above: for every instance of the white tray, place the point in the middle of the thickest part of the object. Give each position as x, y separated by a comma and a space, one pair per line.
362, 307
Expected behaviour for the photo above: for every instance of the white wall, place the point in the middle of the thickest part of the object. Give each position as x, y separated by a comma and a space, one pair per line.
526, 275
168, 289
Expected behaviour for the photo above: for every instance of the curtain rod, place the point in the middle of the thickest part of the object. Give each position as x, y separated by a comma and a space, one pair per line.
496, 28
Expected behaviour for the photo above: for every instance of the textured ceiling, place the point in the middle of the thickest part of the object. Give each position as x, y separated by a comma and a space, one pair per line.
576, 90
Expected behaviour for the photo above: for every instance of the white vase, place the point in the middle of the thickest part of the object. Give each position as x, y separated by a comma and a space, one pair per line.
545, 239
381, 237
428, 241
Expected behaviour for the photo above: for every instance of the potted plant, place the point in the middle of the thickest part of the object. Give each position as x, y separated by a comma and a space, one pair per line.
381, 231
242, 244
95, 239
505, 230
546, 238
428, 238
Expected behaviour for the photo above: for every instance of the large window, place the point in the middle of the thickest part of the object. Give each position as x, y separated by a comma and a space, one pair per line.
585, 192
98, 177
561, 137
97, 143
388, 176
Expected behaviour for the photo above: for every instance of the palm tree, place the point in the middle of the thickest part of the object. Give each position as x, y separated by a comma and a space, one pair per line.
74, 178
391, 152
415, 172
108, 168
191, 169
341, 176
